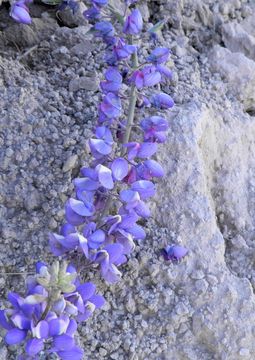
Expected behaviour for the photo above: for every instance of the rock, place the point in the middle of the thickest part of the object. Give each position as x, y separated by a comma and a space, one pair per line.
27, 36
238, 40
83, 48
32, 200
73, 19
238, 70
70, 163
83, 82
3, 353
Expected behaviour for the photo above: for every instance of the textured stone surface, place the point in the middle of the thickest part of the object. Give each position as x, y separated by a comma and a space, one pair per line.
201, 308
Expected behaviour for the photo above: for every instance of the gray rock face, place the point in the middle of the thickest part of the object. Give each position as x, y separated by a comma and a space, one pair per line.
238, 70
201, 308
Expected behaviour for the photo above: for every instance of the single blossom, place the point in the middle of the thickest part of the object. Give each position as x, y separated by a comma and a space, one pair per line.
148, 76
92, 13
154, 128
142, 151
134, 23
113, 81
121, 50
103, 144
162, 101
108, 258
159, 55
174, 252
20, 12
111, 106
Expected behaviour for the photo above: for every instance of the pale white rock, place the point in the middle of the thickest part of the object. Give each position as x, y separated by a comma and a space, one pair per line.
237, 39
238, 71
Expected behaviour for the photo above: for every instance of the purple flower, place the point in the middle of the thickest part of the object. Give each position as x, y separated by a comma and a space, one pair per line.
145, 188
27, 322
92, 14
113, 81
149, 169
134, 23
119, 169
159, 55
103, 144
77, 211
108, 258
121, 50
111, 106
165, 72
142, 151
154, 128
94, 236
99, 3
104, 29
148, 76
174, 252
134, 203
20, 12
162, 101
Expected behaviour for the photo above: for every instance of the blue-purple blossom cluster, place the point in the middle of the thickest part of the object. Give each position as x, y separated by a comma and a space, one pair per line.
46, 318
120, 174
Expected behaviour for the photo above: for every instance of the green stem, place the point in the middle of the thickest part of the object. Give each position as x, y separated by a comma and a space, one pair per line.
47, 309
130, 120
131, 108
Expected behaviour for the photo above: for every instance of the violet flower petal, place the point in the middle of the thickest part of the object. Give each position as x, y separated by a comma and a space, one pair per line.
63, 342
15, 336
155, 169
58, 326
4, 321
105, 176
114, 251
147, 150
76, 353
97, 300
72, 327
34, 346
86, 290
145, 188
119, 168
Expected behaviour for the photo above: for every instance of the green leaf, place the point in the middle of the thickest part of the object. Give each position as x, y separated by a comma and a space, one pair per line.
157, 27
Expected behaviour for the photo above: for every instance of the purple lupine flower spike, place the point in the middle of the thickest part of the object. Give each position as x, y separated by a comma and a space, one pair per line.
134, 23
174, 252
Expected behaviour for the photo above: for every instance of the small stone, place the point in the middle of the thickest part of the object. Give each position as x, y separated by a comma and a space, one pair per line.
32, 200
70, 163
244, 352
102, 352
86, 83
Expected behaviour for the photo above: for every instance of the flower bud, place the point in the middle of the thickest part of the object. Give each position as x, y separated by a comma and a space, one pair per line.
20, 12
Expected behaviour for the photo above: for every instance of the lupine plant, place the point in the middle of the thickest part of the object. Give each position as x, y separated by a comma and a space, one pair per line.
102, 218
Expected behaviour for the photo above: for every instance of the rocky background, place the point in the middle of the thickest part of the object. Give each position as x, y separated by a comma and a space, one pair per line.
202, 308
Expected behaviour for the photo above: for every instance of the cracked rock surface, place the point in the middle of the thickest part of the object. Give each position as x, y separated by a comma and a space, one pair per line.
203, 307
